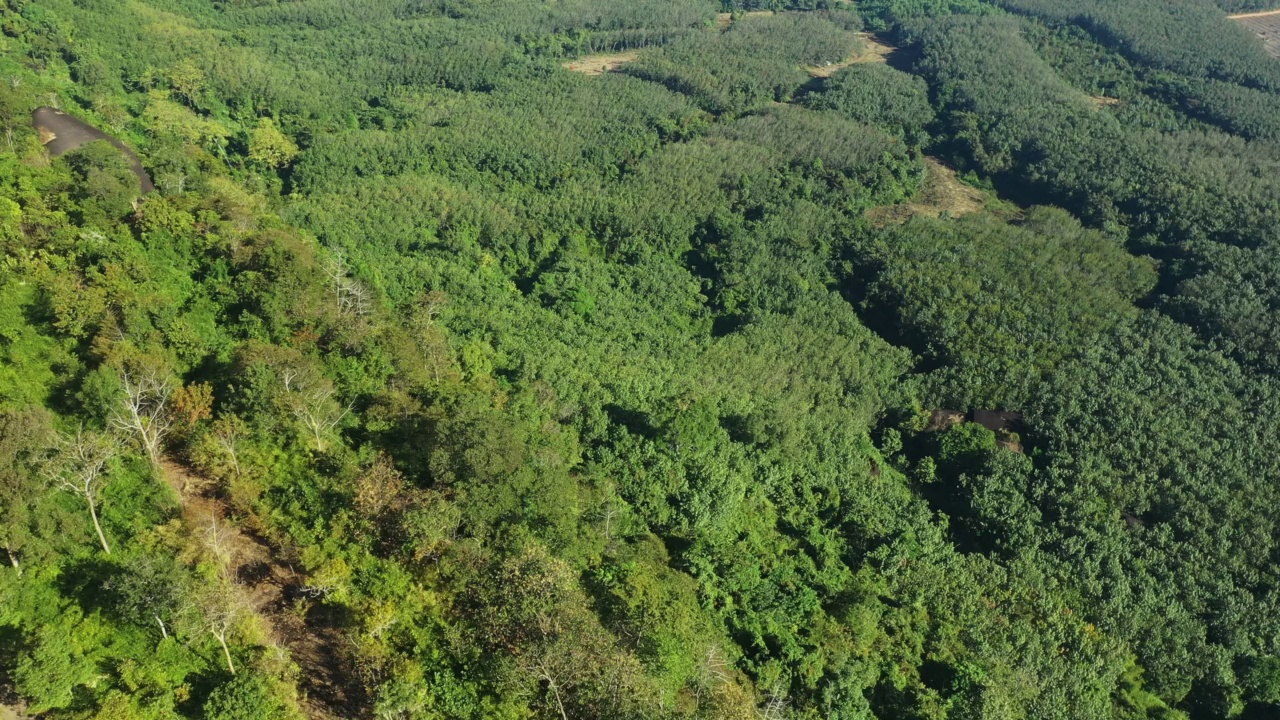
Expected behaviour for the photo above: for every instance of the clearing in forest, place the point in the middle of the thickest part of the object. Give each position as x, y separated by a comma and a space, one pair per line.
267, 584
942, 193
1265, 25
870, 50
602, 63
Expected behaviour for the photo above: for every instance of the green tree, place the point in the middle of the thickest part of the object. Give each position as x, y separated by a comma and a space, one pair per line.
270, 147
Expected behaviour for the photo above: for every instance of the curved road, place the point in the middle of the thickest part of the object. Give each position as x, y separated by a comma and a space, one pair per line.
67, 132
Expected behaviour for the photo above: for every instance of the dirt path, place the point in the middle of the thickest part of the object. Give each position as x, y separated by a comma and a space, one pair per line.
1266, 25
271, 585
1265, 13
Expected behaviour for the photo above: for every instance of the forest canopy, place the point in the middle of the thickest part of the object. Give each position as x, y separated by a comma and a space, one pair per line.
781, 359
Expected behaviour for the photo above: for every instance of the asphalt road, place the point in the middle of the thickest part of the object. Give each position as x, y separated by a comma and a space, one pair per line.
69, 132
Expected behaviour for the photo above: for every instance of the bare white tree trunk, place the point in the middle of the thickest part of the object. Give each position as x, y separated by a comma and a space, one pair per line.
144, 410
317, 411
80, 467
227, 438
163, 631
350, 296
555, 690
93, 512
226, 652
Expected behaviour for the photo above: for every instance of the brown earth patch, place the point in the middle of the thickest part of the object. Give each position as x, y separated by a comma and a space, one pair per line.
942, 194
872, 50
602, 63
1101, 102
1265, 25
267, 580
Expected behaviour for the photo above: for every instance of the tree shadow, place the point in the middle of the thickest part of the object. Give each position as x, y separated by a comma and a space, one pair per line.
85, 581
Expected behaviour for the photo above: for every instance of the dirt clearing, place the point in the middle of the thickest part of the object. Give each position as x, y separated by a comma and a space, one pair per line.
267, 580
1265, 25
872, 50
943, 194
601, 64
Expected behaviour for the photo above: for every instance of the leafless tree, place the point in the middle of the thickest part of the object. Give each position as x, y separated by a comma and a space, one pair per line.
350, 296
712, 671
145, 411
337, 269
309, 397
175, 183
220, 609
609, 510
432, 303
220, 606
218, 543
79, 466
775, 708
226, 434
553, 676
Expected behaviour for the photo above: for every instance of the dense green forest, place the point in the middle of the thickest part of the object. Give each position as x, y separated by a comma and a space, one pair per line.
437, 380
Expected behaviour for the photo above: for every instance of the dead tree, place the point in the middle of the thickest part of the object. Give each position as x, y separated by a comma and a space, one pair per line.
79, 466
553, 676
145, 411
218, 543
220, 609
350, 296
226, 434
775, 708
309, 397
220, 605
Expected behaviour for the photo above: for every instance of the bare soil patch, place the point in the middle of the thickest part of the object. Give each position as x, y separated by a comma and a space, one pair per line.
267, 577
1101, 101
943, 194
1265, 25
602, 63
873, 50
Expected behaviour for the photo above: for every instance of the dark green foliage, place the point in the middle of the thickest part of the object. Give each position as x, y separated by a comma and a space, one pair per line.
568, 396
882, 14
1193, 38
1239, 110
755, 61
248, 697
994, 308
104, 185
881, 96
